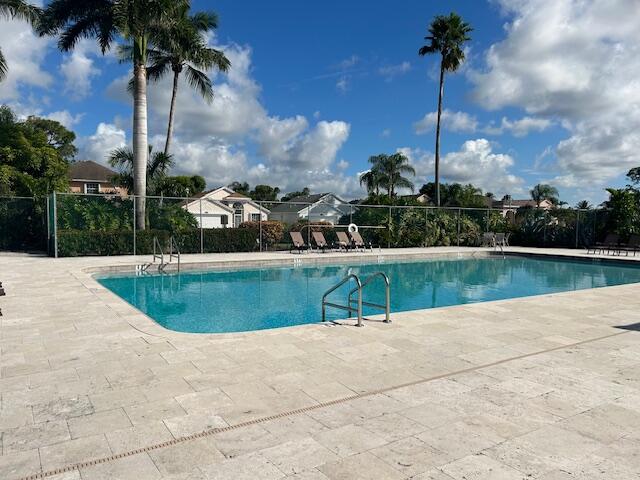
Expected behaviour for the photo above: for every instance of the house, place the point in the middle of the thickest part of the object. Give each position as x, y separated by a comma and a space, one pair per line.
508, 206
91, 177
320, 207
422, 198
224, 208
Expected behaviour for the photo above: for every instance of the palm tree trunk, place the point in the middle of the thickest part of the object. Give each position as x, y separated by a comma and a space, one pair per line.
140, 142
438, 134
172, 112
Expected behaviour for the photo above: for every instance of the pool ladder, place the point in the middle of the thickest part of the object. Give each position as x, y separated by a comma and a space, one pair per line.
359, 303
158, 254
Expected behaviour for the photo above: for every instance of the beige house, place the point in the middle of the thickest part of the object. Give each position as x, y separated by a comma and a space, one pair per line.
91, 177
224, 208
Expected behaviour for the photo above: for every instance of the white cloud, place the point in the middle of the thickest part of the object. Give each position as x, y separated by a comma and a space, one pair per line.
98, 146
386, 133
78, 69
519, 128
24, 52
343, 84
65, 117
453, 121
389, 72
474, 163
576, 61
348, 63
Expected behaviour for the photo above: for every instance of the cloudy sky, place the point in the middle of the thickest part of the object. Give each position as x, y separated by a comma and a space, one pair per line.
550, 93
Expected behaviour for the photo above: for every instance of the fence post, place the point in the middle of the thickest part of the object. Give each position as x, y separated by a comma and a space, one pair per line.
577, 226
260, 225
426, 225
55, 225
309, 226
134, 226
389, 230
458, 234
486, 224
201, 229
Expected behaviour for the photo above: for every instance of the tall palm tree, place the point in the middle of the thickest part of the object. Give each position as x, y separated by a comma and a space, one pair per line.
542, 192
182, 48
137, 22
583, 205
447, 35
372, 180
392, 169
157, 169
19, 10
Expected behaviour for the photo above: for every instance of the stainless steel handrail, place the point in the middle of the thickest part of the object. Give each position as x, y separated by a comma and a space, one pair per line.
173, 244
348, 307
387, 284
156, 244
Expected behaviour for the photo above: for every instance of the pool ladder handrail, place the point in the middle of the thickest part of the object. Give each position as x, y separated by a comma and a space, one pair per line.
358, 301
173, 245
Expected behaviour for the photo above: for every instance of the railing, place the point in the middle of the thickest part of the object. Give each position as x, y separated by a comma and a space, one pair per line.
359, 302
173, 245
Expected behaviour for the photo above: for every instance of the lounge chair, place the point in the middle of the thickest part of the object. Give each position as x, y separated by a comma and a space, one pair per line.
343, 241
500, 240
320, 241
297, 243
611, 242
358, 242
632, 245
488, 239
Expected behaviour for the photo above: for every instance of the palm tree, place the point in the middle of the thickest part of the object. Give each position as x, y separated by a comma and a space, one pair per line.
181, 48
583, 205
542, 192
447, 35
20, 10
157, 169
392, 169
372, 180
138, 22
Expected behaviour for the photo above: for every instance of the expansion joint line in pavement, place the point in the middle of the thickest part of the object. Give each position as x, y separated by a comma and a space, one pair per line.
298, 411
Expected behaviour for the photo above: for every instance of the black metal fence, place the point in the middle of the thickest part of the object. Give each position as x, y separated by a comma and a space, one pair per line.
76, 225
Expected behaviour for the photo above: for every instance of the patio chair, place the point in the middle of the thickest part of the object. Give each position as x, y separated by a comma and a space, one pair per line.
488, 239
342, 242
500, 240
632, 245
357, 241
297, 243
320, 241
610, 243
507, 236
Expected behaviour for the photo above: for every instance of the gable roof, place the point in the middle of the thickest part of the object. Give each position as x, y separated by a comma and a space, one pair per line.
293, 204
233, 196
89, 170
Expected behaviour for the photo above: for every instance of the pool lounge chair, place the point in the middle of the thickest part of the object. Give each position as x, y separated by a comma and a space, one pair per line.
611, 243
488, 239
297, 243
358, 242
632, 245
500, 240
320, 241
342, 242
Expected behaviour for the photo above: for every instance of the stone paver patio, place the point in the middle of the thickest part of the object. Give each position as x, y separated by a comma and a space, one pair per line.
543, 387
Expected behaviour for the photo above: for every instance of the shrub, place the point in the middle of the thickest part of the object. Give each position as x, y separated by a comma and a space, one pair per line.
272, 231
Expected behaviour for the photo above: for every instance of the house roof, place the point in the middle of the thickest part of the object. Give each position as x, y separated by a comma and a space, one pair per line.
231, 197
89, 170
516, 203
293, 204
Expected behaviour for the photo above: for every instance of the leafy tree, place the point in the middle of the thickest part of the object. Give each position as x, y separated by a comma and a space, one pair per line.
240, 187
159, 164
373, 179
264, 193
624, 211
19, 10
583, 205
181, 48
391, 170
182, 186
634, 175
34, 155
447, 36
291, 195
138, 23
542, 192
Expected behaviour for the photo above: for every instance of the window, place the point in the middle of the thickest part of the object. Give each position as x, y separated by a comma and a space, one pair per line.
224, 220
91, 188
255, 217
238, 214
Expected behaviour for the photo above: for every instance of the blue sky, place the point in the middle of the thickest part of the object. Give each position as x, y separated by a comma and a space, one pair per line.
549, 93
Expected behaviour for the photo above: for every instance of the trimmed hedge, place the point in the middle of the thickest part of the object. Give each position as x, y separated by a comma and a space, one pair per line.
77, 243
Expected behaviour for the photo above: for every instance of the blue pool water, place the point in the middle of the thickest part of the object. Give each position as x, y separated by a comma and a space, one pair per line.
253, 299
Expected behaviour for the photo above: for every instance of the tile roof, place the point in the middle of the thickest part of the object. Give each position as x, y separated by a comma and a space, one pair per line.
90, 170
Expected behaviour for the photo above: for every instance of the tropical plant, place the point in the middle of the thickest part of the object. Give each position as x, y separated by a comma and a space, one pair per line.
264, 193
447, 36
389, 172
542, 192
305, 192
583, 205
240, 187
372, 179
19, 10
624, 214
179, 48
158, 165
138, 23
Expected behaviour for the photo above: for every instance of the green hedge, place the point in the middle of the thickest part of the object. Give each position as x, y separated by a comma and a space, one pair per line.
77, 243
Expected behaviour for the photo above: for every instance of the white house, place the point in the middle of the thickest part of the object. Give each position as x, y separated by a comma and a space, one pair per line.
224, 208
321, 207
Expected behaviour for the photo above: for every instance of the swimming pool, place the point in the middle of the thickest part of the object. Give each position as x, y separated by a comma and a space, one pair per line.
240, 300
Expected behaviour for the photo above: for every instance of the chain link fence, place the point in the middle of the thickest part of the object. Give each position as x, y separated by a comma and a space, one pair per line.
69, 225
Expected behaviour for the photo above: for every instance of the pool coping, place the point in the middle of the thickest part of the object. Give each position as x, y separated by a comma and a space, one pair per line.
146, 324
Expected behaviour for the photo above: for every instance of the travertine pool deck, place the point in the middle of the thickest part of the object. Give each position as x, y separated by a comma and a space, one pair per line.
543, 387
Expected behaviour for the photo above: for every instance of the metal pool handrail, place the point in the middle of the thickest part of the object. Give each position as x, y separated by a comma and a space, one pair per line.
348, 308
387, 285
